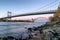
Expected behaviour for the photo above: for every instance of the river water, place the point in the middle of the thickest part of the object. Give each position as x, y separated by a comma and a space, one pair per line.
16, 27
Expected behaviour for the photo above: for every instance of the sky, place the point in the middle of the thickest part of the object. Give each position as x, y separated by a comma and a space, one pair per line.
26, 6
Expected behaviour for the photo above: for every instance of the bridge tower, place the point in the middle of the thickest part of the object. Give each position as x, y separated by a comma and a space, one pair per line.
33, 20
9, 14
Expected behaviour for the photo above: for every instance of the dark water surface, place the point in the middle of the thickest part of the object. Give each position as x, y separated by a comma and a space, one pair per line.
16, 27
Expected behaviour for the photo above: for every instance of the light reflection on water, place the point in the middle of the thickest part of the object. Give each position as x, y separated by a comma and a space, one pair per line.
16, 26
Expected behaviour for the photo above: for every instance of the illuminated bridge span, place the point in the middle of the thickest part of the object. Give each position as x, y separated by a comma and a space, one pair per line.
34, 13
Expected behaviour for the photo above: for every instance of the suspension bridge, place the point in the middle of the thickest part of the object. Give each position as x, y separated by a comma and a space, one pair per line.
44, 7
33, 13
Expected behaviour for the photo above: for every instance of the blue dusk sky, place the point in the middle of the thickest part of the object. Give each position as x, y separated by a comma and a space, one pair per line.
26, 6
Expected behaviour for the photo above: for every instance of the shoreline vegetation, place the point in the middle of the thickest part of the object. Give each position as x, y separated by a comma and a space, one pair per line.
15, 21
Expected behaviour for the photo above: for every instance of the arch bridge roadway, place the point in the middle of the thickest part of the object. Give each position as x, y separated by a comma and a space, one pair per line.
33, 13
